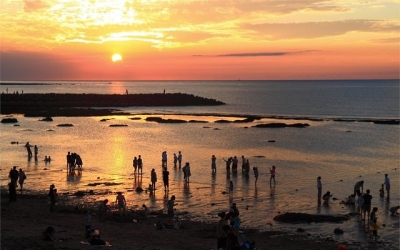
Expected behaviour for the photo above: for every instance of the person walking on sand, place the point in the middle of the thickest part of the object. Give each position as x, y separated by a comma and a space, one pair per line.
213, 164
180, 159
358, 187
135, 164
387, 185
153, 178
272, 171
319, 187
255, 170
165, 175
21, 178
140, 164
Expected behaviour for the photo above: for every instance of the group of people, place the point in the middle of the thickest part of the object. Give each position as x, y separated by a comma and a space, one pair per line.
16, 177
228, 229
29, 150
362, 202
74, 160
232, 162
138, 164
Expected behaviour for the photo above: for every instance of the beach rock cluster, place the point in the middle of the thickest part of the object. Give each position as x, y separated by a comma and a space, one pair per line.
281, 125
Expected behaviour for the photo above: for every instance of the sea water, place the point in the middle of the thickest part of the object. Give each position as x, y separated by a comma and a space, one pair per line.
341, 152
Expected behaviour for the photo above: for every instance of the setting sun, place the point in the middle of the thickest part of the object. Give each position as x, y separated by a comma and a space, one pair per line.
116, 57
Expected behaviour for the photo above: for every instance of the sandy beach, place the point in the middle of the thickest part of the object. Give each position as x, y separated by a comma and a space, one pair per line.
23, 222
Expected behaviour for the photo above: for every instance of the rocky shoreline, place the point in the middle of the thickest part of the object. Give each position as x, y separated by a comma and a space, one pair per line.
82, 104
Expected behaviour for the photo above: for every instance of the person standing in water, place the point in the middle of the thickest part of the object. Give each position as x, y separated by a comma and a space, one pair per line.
140, 164
387, 185
36, 152
165, 175
21, 178
272, 171
255, 170
28, 149
213, 164
180, 159
135, 164
319, 187
153, 179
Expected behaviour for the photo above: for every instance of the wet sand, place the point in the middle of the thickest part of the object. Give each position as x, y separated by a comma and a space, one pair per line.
22, 223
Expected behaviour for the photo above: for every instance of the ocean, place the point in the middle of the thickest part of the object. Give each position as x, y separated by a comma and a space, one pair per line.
342, 145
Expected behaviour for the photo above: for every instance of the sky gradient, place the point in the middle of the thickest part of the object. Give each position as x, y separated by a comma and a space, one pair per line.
199, 39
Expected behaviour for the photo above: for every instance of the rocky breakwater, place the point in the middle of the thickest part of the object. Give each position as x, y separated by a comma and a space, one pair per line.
81, 104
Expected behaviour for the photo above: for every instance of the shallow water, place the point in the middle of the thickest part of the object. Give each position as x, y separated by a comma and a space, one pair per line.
326, 148
341, 152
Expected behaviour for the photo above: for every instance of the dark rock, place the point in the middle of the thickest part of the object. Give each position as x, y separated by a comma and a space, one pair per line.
338, 231
248, 119
9, 120
118, 125
300, 230
308, 218
222, 121
161, 120
14, 142
135, 118
139, 189
65, 125
46, 119
197, 121
388, 122
79, 193
52, 104
271, 140
281, 125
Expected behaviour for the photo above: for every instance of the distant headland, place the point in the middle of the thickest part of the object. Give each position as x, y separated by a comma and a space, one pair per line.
52, 104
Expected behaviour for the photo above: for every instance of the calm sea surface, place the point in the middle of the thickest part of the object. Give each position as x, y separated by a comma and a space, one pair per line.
342, 153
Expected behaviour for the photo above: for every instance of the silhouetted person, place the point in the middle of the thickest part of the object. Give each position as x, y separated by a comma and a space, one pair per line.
28, 149
12, 192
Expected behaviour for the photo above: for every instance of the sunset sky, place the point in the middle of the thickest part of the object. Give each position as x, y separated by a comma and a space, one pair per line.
199, 39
